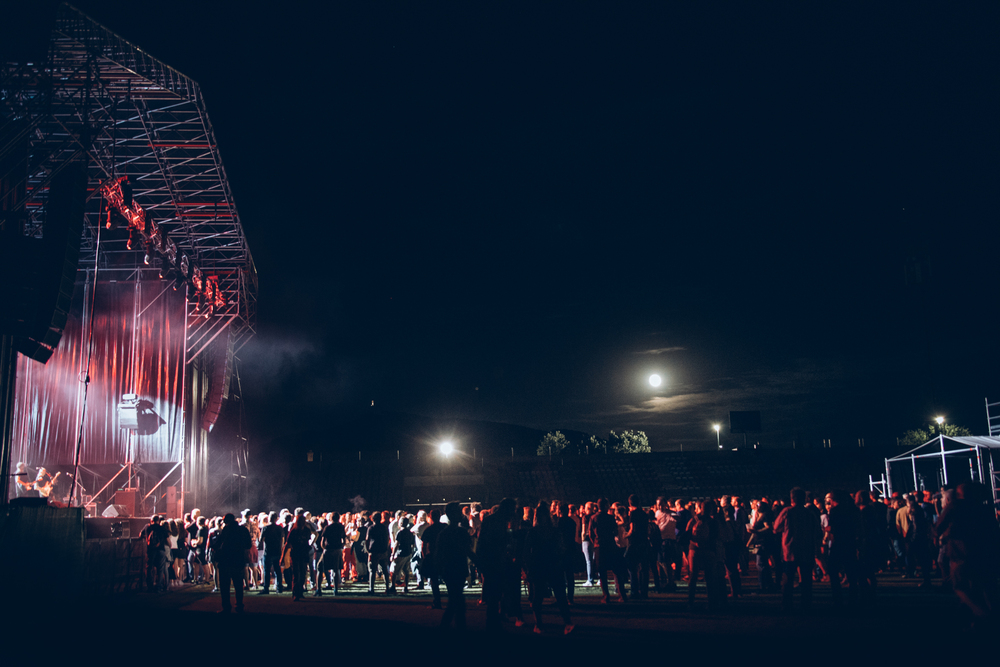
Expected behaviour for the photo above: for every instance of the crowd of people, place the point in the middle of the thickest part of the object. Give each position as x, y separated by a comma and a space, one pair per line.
551, 548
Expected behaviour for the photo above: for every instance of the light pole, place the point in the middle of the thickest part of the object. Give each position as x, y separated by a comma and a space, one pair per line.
944, 460
718, 438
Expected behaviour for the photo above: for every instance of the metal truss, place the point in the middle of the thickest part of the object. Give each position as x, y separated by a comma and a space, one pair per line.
99, 97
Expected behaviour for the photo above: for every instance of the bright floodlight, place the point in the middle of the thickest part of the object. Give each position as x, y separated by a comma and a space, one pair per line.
939, 420
447, 448
655, 380
716, 427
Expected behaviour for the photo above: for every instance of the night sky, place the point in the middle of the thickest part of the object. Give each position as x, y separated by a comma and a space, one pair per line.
501, 212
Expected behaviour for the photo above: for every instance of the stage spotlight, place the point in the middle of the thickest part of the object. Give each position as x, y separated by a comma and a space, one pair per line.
126, 187
115, 219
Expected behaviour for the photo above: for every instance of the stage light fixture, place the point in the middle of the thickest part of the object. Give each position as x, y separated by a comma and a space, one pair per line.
115, 219
126, 187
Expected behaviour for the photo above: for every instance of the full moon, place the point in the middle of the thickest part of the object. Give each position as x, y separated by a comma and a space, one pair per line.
655, 380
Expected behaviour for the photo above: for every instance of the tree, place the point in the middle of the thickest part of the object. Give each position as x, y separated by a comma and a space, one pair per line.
597, 445
629, 442
552, 442
919, 436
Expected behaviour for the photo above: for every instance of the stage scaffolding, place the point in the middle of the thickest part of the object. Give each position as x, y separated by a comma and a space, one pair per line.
946, 461
96, 97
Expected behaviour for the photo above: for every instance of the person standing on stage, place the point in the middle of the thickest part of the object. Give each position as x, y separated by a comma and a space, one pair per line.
23, 486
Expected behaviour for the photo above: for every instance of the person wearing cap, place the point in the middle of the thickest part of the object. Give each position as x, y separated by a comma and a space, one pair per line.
232, 555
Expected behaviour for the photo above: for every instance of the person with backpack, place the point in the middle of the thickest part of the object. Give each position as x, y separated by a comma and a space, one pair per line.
404, 547
155, 536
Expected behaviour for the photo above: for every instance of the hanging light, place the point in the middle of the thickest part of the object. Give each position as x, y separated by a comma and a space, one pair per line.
126, 187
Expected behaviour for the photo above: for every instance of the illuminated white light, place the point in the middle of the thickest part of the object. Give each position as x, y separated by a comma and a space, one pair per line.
939, 420
655, 380
447, 448
716, 427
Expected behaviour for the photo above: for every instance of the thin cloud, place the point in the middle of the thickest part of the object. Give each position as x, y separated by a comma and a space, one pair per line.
760, 389
662, 350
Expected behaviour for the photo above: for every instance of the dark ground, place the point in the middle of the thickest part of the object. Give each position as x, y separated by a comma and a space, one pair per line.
905, 623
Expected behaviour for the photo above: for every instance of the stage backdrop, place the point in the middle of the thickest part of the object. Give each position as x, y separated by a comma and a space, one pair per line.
138, 349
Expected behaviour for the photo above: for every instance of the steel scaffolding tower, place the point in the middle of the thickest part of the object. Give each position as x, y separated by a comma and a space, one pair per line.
100, 97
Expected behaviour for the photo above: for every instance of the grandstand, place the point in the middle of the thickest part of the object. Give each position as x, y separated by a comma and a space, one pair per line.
391, 482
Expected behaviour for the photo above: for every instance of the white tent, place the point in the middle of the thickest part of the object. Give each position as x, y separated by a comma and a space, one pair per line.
953, 460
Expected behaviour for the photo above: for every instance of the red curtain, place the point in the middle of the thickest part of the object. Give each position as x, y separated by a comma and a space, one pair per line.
138, 349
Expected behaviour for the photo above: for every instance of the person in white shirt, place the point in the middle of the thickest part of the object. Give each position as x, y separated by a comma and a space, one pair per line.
669, 554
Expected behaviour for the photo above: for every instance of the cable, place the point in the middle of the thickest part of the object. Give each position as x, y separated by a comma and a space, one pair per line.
90, 354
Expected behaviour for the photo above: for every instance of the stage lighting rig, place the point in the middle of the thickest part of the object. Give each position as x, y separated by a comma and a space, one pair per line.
173, 264
126, 188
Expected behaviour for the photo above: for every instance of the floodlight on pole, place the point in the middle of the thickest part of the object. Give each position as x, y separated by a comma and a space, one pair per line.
940, 423
446, 448
718, 437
